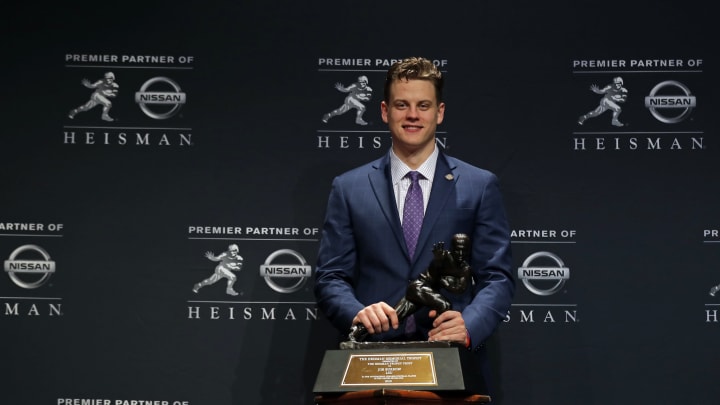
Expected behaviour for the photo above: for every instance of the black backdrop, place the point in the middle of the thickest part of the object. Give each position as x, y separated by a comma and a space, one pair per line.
126, 209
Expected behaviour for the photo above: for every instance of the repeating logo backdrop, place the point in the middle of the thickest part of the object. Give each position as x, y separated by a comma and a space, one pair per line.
166, 167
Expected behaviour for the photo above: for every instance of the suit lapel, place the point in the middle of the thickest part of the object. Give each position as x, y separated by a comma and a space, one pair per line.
382, 187
442, 186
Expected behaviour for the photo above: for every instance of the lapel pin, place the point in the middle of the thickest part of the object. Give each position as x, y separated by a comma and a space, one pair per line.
449, 176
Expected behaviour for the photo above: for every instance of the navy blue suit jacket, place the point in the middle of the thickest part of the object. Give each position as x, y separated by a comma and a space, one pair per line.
363, 258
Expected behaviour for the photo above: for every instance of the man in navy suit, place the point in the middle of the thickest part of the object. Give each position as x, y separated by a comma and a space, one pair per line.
364, 264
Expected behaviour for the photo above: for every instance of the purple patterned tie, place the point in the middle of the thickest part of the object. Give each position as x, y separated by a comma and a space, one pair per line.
413, 212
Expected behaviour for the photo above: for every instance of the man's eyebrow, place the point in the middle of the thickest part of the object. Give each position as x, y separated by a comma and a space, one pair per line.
406, 101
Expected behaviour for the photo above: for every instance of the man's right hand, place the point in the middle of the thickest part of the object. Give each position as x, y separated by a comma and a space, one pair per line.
378, 317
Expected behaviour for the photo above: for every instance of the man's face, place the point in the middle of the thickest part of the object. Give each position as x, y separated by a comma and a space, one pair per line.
412, 114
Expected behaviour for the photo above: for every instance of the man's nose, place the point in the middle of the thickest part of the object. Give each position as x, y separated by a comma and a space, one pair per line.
412, 112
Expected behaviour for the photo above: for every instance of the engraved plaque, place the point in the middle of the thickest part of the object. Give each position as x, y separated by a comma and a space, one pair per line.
427, 366
402, 369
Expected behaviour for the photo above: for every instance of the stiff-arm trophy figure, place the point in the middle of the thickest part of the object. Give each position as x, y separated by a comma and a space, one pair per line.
448, 269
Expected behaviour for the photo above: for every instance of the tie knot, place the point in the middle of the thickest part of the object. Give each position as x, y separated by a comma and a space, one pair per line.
414, 176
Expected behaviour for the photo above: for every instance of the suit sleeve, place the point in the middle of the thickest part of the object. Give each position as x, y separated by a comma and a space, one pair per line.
494, 285
336, 263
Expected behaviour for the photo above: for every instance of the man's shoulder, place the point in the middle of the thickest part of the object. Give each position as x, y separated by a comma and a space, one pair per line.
463, 167
365, 169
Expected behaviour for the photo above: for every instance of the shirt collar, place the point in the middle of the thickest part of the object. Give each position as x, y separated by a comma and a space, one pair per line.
398, 168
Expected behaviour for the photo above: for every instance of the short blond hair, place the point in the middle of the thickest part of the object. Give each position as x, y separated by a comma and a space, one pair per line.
414, 68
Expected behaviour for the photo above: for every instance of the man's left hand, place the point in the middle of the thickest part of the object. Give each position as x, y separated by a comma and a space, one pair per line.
449, 325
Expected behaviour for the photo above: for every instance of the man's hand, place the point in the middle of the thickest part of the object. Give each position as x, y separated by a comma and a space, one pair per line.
378, 317
449, 325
